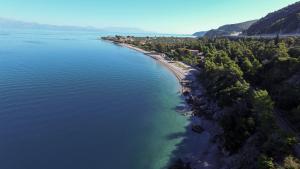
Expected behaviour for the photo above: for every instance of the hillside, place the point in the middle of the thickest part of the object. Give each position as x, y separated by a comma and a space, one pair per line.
283, 21
200, 33
230, 30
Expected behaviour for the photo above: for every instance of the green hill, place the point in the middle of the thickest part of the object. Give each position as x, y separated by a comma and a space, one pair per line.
230, 30
200, 33
283, 21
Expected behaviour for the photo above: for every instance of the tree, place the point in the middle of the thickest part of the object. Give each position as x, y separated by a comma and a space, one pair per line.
282, 52
265, 162
263, 106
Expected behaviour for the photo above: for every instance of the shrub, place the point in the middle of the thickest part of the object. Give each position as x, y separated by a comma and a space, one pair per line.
265, 162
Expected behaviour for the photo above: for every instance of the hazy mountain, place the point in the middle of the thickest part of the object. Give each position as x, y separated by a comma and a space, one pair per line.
199, 34
284, 21
15, 24
230, 30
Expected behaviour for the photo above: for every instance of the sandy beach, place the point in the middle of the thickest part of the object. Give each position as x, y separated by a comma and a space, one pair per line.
183, 72
197, 149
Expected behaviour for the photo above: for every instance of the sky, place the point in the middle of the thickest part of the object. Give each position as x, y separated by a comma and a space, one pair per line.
163, 16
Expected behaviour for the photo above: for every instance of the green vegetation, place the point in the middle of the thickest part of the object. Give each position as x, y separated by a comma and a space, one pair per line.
250, 78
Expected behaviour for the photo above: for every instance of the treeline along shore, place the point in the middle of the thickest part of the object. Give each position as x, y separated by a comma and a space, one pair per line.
249, 87
185, 74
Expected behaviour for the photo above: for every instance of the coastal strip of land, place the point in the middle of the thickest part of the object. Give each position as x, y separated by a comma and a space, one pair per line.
183, 72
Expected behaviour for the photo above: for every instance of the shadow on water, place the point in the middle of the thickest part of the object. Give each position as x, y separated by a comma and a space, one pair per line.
196, 150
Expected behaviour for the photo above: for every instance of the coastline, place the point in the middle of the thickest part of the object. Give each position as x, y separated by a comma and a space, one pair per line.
184, 73
208, 154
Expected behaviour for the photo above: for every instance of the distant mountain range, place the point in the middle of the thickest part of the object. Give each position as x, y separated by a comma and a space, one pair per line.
284, 21
230, 30
15, 24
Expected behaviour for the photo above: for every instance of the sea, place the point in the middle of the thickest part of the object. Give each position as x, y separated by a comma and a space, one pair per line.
71, 101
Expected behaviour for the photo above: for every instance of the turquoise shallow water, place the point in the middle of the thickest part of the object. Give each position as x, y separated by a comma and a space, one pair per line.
69, 101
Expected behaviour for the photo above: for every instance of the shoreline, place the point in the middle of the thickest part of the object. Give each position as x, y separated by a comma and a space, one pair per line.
208, 154
184, 73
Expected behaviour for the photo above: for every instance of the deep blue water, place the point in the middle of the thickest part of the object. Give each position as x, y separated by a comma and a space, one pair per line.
69, 101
